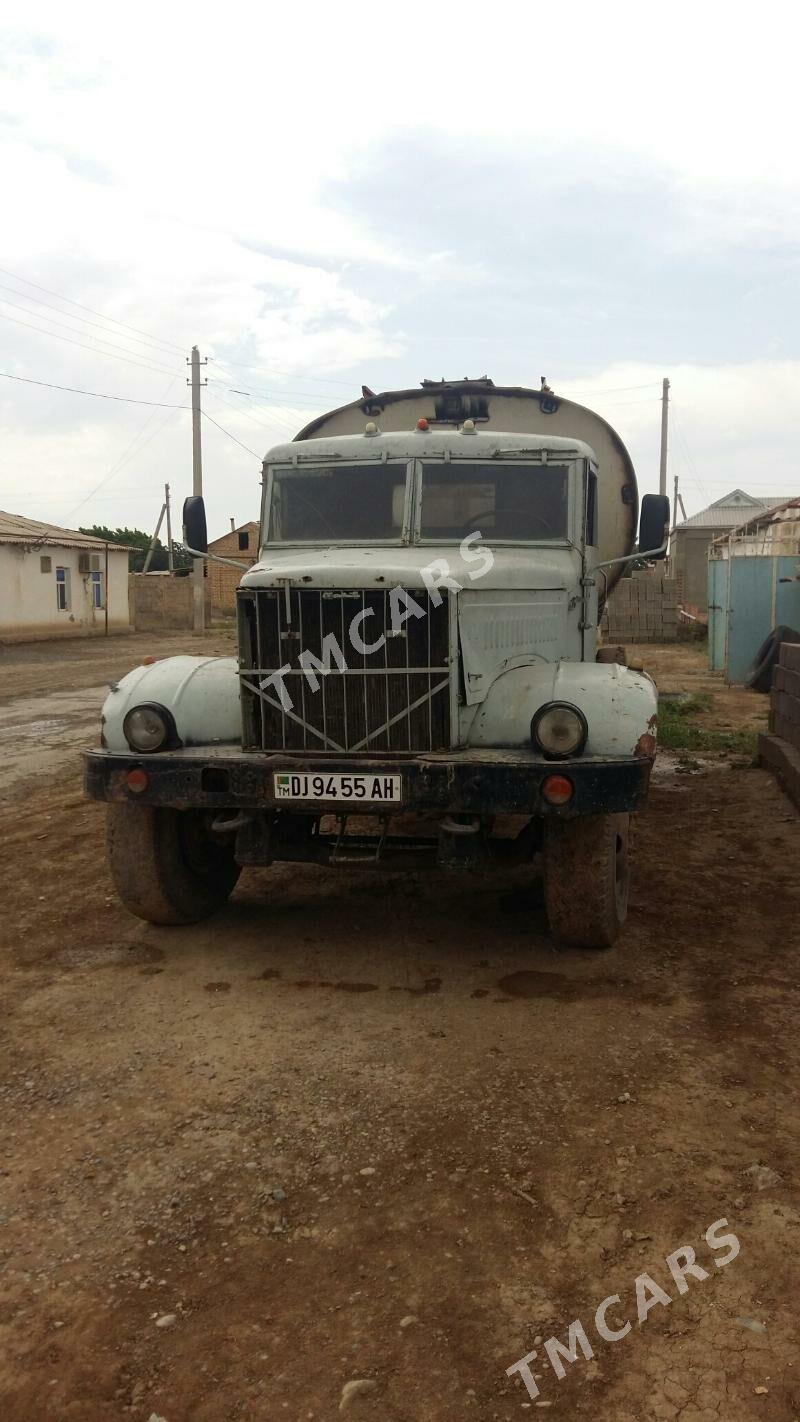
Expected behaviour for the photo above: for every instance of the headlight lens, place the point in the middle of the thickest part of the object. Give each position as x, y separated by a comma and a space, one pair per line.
559, 730
146, 728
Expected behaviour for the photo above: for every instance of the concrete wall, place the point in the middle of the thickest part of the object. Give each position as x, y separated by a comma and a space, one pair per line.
158, 601
642, 608
689, 565
780, 750
29, 609
223, 580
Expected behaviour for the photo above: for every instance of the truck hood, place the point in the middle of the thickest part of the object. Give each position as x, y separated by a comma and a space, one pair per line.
501, 567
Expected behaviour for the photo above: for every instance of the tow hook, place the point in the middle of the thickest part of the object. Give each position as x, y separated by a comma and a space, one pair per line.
460, 843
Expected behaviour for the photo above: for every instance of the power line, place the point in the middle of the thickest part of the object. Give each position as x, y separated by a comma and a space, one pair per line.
612, 389
141, 341
73, 390
271, 397
161, 369
277, 370
69, 301
231, 436
129, 450
109, 345
692, 466
274, 424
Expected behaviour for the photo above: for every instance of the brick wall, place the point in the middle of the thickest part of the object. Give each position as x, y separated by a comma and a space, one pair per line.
642, 608
780, 750
158, 601
223, 581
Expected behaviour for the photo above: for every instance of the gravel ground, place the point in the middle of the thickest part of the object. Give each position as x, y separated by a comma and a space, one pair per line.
375, 1129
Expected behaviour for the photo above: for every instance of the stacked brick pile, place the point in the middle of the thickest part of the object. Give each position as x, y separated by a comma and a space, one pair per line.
780, 750
642, 608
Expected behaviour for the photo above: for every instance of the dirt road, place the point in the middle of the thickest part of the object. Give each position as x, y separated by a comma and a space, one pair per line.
376, 1128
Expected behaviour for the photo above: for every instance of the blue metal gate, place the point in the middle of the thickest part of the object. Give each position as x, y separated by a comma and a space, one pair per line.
746, 599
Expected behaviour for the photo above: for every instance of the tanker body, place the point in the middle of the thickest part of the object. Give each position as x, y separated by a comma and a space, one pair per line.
417, 680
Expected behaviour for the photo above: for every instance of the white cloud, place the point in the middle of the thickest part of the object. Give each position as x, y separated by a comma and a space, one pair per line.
186, 172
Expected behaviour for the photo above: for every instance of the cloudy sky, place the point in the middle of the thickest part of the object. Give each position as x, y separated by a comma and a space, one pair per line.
324, 196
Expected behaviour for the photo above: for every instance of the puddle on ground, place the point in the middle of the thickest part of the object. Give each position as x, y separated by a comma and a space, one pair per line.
217, 987
149, 972
339, 987
530, 982
269, 974
429, 985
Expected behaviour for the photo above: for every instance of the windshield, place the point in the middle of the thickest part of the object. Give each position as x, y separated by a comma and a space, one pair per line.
338, 502
518, 502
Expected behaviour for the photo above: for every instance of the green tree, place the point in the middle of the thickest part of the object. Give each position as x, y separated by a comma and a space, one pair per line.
139, 543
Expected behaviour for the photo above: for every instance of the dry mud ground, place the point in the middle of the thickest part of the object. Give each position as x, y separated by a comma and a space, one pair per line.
378, 1128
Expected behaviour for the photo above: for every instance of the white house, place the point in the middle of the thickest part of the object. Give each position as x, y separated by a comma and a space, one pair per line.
56, 582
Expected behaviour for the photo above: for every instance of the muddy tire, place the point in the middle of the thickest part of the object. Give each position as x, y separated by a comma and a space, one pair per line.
586, 879
758, 676
167, 866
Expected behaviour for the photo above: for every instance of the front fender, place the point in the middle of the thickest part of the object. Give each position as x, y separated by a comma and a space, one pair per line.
201, 692
620, 706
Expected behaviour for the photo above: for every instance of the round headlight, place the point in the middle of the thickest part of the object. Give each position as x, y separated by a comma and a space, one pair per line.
559, 730
146, 728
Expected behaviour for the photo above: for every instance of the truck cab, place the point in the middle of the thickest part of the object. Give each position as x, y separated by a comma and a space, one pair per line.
416, 684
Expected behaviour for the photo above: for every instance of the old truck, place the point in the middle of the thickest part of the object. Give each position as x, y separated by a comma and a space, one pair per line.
417, 679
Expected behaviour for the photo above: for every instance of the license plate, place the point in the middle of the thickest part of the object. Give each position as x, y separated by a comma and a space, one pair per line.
364, 789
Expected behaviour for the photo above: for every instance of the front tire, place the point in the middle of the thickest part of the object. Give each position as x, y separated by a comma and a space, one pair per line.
586, 879
167, 865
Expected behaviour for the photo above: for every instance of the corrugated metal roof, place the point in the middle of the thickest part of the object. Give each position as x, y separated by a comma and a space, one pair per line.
15, 528
730, 515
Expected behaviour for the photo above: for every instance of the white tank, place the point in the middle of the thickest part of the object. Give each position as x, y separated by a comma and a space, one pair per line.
514, 409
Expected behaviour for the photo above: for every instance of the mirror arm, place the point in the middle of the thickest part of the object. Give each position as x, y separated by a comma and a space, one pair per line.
215, 558
632, 557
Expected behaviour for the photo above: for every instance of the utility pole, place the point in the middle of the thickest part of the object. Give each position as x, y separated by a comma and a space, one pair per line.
154, 540
198, 564
674, 523
170, 556
662, 470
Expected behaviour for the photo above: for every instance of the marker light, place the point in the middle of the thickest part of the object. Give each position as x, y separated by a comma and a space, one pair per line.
371, 428
468, 427
137, 781
422, 424
557, 789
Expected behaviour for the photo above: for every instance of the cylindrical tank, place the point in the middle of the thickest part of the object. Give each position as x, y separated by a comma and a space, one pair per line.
507, 408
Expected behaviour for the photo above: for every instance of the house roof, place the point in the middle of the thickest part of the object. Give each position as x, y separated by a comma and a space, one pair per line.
731, 510
783, 512
15, 528
240, 528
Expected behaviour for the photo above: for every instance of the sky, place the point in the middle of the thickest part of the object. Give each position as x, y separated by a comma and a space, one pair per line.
320, 197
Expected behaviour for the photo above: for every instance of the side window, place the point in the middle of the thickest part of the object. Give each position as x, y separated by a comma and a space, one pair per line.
591, 509
46, 565
97, 589
244, 540
62, 589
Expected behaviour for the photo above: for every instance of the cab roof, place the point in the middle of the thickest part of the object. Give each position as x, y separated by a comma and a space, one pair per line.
433, 443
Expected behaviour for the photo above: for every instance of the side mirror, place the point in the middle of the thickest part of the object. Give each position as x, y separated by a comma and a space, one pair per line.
195, 533
654, 526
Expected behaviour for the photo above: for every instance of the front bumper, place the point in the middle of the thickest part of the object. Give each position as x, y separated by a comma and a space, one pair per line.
474, 782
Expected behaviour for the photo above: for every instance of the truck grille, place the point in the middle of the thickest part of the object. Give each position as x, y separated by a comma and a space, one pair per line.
395, 698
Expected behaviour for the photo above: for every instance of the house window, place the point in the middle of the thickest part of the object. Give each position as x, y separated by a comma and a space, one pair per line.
46, 565
244, 540
97, 589
62, 589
